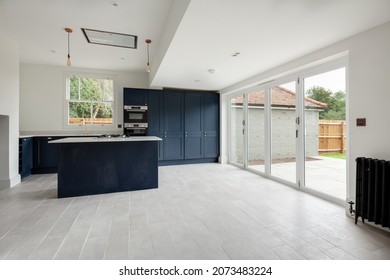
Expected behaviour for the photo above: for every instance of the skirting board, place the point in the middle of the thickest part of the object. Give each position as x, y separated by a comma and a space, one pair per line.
9, 183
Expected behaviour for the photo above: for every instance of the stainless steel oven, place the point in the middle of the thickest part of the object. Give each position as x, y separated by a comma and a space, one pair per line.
135, 129
135, 114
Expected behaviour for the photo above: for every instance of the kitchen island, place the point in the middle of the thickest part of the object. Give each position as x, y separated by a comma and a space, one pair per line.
93, 165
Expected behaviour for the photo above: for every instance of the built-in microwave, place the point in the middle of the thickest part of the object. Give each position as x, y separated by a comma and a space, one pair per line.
135, 129
135, 114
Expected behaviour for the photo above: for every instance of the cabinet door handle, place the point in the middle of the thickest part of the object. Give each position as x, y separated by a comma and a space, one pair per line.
39, 152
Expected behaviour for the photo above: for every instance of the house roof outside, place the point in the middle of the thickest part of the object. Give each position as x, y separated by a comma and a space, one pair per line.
280, 97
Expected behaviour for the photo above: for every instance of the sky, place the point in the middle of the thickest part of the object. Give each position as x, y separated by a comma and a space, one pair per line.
333, 81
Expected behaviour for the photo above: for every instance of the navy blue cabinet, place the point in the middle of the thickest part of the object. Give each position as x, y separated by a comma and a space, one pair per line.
45, 155
210, 107
188, 123
173, 122
25, 156
201, 125
155, 118
135, 96
193, 126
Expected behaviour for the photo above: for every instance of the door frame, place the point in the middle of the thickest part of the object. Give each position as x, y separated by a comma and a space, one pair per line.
313, 71
299, 77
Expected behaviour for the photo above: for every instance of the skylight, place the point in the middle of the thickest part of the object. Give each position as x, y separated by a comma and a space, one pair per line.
110, 38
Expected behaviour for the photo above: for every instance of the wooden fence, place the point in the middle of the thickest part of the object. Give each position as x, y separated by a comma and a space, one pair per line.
332, 136
88, 121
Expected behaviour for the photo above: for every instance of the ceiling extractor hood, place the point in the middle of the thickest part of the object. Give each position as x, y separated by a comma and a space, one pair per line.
110, 38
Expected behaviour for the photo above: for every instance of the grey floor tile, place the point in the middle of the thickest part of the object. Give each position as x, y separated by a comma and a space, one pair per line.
141, 245
339, 254
94, 248
76, 238
118, 245
202, 211
163, 247
286, 252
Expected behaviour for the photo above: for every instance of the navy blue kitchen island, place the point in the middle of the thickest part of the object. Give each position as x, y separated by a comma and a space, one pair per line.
91, 165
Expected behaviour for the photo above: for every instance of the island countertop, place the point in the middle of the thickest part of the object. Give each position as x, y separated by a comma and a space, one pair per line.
105, 139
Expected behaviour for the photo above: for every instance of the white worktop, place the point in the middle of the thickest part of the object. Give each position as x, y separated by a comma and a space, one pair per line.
58, 135
103, 140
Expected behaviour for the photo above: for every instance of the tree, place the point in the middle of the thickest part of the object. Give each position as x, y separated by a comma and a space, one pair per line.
335, 108
89, 96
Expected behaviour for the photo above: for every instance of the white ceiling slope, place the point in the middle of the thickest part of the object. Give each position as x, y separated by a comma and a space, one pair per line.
204, 36
267, 33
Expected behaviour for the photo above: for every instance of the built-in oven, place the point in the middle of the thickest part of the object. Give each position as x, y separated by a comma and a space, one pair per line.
135, 129
135, 114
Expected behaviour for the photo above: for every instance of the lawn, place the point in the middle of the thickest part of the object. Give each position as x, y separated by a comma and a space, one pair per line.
335, 155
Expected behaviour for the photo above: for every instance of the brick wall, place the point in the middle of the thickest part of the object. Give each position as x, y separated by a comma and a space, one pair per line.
283, 133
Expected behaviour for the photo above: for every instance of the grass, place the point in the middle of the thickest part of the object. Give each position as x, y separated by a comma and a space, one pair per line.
335, 155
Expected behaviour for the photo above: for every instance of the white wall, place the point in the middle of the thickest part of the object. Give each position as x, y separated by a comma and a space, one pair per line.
176, 13
9, 111
368, 92
42, 91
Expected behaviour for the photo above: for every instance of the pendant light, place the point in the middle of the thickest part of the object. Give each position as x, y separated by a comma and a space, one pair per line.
148, 41
68, 62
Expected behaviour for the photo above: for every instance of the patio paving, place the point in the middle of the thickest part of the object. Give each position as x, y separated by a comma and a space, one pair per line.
324, 174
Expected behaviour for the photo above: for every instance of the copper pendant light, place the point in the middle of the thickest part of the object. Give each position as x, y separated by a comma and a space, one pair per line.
148, 41
68, 62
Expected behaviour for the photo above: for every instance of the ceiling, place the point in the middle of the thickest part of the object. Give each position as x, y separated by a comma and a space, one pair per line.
38, 27
206, 34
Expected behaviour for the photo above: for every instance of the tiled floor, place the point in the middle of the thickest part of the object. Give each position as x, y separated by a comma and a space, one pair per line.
202, 211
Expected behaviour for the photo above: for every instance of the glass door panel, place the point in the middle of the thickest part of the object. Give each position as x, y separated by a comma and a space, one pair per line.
256, 132
283, 132
237, 130
325, 133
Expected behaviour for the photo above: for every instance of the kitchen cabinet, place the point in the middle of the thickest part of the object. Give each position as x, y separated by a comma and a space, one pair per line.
173, 122
155, 116
193, 126
25, 156
210, 112
188, 123
45, 155
201, 125
135, 96
91, 166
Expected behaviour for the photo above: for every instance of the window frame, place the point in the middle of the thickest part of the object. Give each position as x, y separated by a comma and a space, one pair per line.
66, 101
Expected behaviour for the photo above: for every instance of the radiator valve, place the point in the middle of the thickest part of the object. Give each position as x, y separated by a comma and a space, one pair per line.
351, 210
